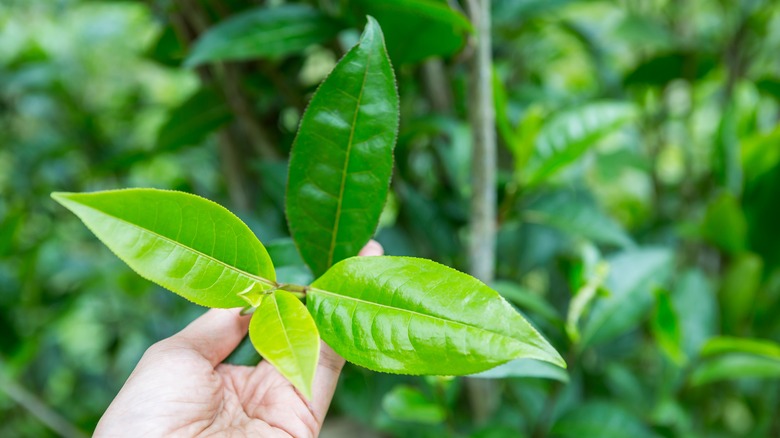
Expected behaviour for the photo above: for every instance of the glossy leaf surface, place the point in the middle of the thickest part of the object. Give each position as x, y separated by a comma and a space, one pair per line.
284, 333
263, 33
418, 29
341, 161
185, 243
415, 316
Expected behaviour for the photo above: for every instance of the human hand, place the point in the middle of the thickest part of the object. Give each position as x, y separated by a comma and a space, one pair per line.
181, 388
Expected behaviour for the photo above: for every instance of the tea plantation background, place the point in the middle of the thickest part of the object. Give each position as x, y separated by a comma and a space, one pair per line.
638, 197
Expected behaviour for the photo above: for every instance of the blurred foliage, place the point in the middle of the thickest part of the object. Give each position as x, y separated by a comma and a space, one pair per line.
638, 192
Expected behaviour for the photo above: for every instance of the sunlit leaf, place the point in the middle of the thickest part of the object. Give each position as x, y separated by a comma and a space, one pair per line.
185, 243
735, 366
727, 344
341, 161
665, 324
285, 335
415, 316
263, 32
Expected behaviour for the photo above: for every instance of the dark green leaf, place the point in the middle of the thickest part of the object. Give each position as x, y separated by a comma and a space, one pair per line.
665, 68
185, 243
193, 121
342, 161
693, 291
264, 32
284, 333
418, 29
415, 316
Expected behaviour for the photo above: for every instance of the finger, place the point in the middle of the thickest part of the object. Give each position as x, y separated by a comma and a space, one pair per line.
325, 380
330, 364
215, 334
372, 248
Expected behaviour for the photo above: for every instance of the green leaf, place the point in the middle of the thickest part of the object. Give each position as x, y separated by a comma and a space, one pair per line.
265, 32
600, 419
406, 403
418, 29
739, 288
415, 316
342, 158
284, 333
631, 277
185, 243
578, 216
693, 291
760, 153
192, 122
724, 224
582, 299
529, 368
527, 301
735, 366
567, 136
727, 344
665, 325
664, 68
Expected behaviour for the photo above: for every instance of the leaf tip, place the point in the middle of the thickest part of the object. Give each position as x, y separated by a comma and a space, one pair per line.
61, 197
372, 29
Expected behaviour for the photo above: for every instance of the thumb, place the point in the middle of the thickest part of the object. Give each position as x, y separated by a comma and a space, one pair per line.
214, 335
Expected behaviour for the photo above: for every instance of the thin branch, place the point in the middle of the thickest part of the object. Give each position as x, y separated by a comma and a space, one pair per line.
485, 395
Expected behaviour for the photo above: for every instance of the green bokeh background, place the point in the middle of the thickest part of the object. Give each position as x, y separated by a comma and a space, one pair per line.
678, 193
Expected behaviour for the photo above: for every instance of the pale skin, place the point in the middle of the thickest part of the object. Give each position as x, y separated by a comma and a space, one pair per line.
181, 388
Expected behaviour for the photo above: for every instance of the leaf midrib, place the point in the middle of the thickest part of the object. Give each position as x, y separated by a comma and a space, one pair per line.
175, 242
350, 144
437, 318
287, 339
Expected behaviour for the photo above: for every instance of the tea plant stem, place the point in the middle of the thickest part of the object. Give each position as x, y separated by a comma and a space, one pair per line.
484, 393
